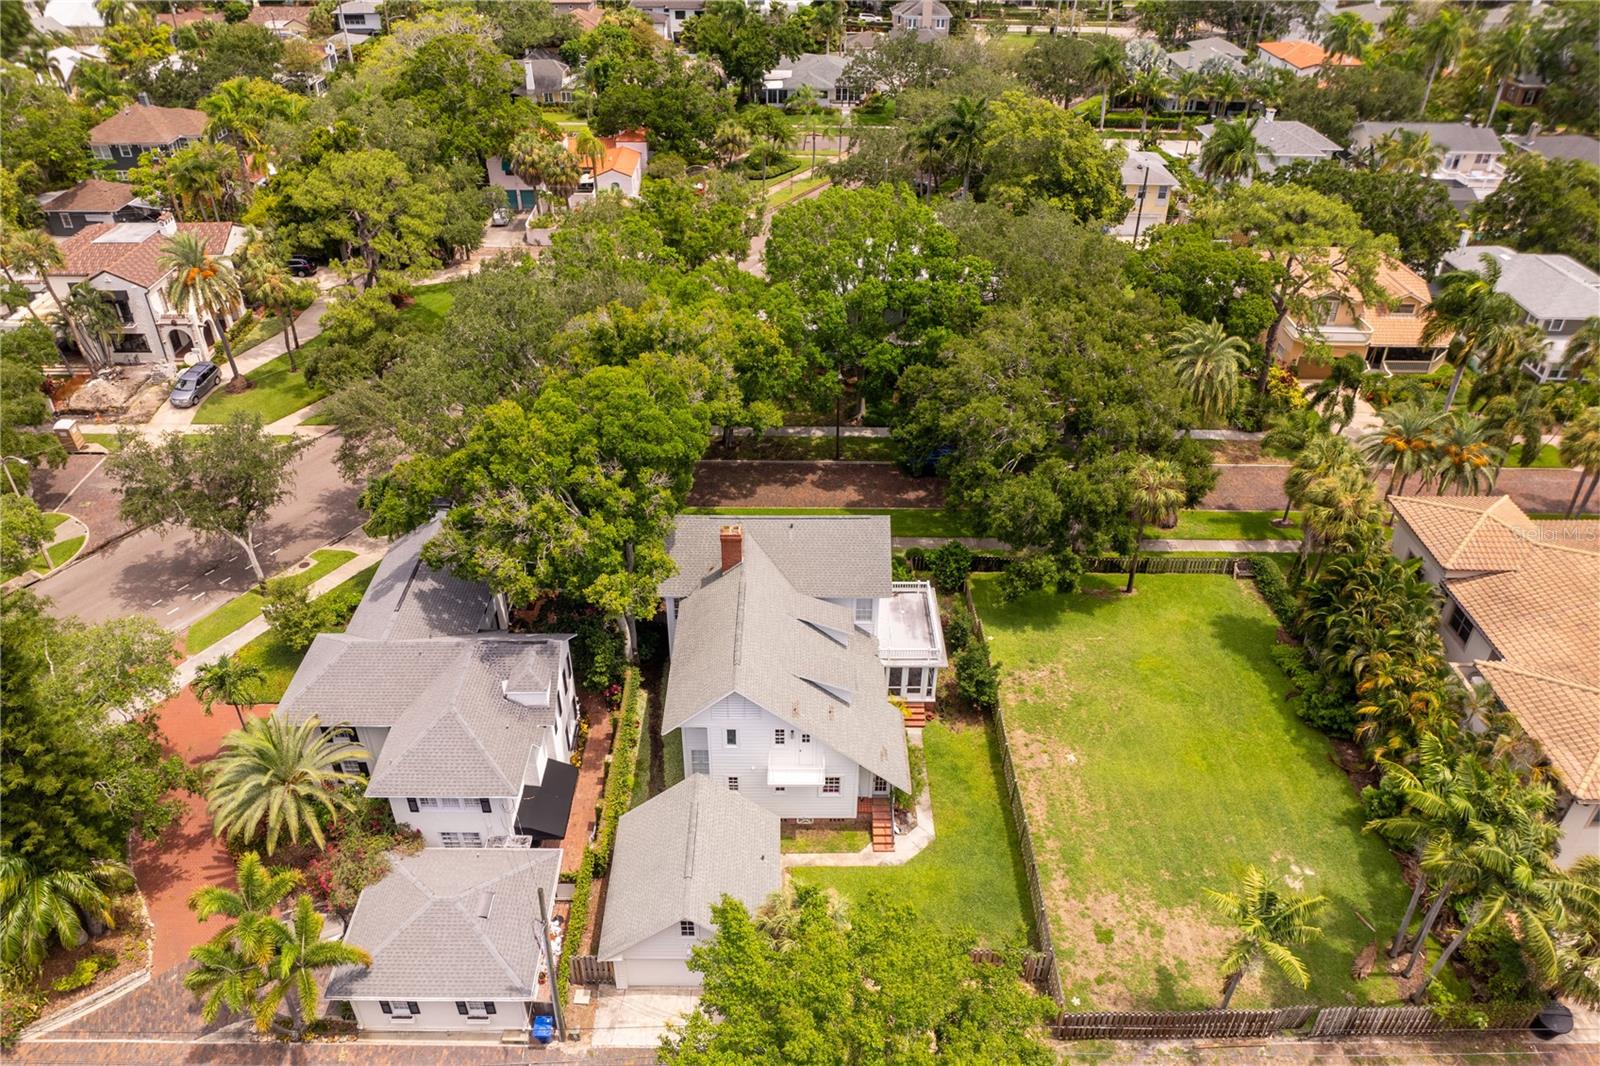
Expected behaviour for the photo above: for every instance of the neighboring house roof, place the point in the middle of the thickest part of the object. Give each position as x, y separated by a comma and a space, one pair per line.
451, 922
454, 727
92, 195
1395, 330
280, 16
1545, 614
801, 658
1448, 136
148, 124
820, 72
860, 40
1561, 714
1283, 139
1302, 55
1562, 146
617, 159
74, 14
679, 854
132, 250
356, 7
1546, 286
1200, 54
587, 18
1134, 172
1468, 532
834, 556
409, 600
544, 74
917, 7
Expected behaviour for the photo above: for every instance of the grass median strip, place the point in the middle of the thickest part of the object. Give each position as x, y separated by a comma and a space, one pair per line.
1229, 525
241, 609
278, 661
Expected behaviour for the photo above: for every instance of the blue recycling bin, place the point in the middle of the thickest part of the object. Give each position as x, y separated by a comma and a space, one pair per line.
544, 1028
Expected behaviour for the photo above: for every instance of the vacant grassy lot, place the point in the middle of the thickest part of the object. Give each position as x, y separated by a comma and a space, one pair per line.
971, 875
1158, 756
903, 521
278, 661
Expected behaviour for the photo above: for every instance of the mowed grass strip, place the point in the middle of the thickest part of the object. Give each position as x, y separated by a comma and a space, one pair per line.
1159, 756
1229, 525
970, 876
278, 661
241, 609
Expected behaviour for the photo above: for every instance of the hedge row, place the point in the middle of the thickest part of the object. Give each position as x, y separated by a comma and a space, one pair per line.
597, 856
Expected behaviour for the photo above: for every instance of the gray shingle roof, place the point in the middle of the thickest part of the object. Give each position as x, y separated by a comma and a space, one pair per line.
801, 658
838, 557
679, 854
424, 928
821, 72
409, 599
1450, 136
452, 729
1201, 54
1563, 146
1546, 286
1134, 173
1284, 139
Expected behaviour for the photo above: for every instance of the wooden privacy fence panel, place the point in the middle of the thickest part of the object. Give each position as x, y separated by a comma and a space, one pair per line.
1375, 1021
1161, 564
1166, 1025
588, 970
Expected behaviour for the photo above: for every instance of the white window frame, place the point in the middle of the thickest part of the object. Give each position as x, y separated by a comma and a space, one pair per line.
1553, 325
780, 736
445, 803
460, 840
686, 927
863, 603
832, 786
477, 1010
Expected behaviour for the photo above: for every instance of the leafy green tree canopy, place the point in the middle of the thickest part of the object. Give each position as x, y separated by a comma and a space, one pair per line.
1545, 205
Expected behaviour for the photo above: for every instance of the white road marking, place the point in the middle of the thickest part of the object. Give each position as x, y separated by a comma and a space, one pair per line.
225, 580
81, 480
158, 603
176, 609
196, 596
185, 585
208, 573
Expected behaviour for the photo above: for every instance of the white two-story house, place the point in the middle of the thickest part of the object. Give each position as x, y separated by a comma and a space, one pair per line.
469, 729
1470, 157
1521, 613
1556, 292
781, 695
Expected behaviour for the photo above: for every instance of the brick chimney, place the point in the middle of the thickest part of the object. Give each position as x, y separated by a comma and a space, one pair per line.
732, 547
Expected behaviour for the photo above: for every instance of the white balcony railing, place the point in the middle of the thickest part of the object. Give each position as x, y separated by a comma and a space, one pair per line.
909, 631
1360, 333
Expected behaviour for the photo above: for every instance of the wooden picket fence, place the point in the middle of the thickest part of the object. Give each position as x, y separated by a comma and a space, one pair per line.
1375, 1021
1172, 1025
588, 970
1162, 564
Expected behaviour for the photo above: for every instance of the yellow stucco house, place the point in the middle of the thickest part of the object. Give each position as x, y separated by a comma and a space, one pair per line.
1387, 336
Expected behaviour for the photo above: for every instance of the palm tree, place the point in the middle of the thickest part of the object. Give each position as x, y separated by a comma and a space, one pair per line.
1580, 447
30, 252
1231, 153
1407, 152
97, 86
1579, 946
1441, 37
1335, 395
38, 906
235, 682
92, 320
1271, 920
1188, 85
730, 141
202, 286
1506, 347
299, 954
1288, 435
1467, 311
1346, 35
223, 976
1149, 85
271, 284
827, 16
1583, 349
1225, 87
1209, 364
1155, 491
962, 126
1320, 456
273, 776
1506, 53
249, 906
1403, 442
1107, 68
592, 151
1465, 460
925, 148
1337, 508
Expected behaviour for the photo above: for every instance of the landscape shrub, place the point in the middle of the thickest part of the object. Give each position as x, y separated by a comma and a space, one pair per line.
917, 759
294, 615
950, 566
900, 569
1032, 572
1274, 589
1323, 702
957, 630
977, 678
85, 971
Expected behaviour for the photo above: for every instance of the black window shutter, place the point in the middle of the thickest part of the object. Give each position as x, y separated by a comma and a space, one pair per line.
411, 804
383, 1005
461, 1006
488, 1007
484, 805
411, 1005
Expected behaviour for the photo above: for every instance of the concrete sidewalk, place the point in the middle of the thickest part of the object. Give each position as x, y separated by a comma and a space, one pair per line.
1220, 545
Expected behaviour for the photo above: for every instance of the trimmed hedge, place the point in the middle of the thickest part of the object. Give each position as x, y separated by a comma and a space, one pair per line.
1274, 589
597, 856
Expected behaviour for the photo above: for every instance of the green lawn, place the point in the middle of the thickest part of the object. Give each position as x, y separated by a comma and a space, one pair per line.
61, 551
263, 329
825, 841
54, 554
971, 875
903, 521
784, 197
1159, 756
1549, 457
278, 661
242, 608
276, 391
1229, 525
851, 449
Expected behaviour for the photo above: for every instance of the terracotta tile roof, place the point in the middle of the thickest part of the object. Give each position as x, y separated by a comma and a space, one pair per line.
279, 15
1562, 715
1482, 533
1544, 615
1304, 54
97, 249
147, 124
92, 195
1391, 329
621, 160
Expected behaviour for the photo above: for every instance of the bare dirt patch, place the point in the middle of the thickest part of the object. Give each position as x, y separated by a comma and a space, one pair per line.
1126, 952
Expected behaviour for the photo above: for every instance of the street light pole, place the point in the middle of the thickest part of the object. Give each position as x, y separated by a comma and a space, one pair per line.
6, 461
1138, 218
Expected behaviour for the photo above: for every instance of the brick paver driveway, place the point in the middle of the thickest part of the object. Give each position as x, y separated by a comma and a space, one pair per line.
1260, 488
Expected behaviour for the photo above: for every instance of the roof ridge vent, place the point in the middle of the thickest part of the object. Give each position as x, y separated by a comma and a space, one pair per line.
689, 842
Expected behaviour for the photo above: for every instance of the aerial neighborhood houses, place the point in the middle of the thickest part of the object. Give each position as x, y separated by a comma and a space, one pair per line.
927, 19
1151, 186
1556, 292
139, 128
1470, 164
823, 75
1521, 597
1281, 143
1301, 58
91, 201
619, 167
1387, 336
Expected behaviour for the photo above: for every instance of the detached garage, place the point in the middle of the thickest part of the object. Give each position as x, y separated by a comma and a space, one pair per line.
675, 857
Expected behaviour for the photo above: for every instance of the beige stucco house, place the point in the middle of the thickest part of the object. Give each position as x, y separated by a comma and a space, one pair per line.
1386, 335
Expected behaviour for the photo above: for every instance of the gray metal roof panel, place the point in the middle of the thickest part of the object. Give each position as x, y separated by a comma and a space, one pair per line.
408, 599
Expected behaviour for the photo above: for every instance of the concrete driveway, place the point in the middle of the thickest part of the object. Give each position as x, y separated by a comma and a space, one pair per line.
638, 1017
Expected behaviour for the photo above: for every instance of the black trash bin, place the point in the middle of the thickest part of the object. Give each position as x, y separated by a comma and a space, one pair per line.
1555, 1020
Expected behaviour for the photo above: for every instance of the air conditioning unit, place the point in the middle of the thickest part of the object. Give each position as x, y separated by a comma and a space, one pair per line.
804, 821
517, 842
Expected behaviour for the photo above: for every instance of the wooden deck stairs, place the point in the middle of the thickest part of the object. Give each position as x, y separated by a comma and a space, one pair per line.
918, 715
882, 825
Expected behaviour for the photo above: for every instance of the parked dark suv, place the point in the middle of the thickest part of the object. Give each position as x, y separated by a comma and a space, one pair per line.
194, 383
301, 267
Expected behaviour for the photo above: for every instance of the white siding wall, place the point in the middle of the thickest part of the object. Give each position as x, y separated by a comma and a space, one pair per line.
870, 624
435, 1015
470, 818
669, 945
1580, 833
748, 761
1406, 546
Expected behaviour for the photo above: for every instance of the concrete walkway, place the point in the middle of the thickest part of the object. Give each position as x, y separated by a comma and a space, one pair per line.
1220, 545
857, 432
906, 847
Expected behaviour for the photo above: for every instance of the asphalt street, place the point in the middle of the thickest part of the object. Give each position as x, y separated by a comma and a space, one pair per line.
177, 577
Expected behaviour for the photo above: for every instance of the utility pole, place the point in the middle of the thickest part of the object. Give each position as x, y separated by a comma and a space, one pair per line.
550, 963
1138, 218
